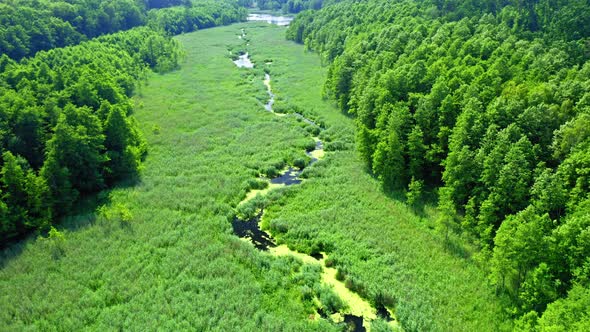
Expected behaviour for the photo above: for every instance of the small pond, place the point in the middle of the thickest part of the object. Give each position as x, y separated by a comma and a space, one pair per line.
244, 61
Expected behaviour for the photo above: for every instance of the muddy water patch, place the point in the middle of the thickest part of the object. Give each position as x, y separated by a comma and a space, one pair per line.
318, 152
255, 192
354, 323
250, 230
358, 313
289, 178
304, 119
243, 34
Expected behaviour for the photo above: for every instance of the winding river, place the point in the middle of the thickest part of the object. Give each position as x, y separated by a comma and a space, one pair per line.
360, 313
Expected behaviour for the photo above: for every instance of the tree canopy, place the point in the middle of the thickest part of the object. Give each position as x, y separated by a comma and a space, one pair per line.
486, 103
29, 26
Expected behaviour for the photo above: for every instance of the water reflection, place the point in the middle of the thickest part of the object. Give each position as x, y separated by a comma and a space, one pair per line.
250, 229
354, 323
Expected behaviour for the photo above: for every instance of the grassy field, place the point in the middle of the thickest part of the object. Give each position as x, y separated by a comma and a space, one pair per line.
160, 254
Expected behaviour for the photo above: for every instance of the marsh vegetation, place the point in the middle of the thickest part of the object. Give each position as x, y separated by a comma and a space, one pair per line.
412, 166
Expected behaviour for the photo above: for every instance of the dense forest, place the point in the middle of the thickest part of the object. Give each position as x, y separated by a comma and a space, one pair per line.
488, 104
197, 15
66, 128
29, 26
66, 125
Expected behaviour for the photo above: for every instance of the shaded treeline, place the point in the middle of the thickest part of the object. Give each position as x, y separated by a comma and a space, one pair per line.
29, 26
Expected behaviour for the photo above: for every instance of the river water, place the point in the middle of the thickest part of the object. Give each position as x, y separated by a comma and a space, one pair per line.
360, 312
278, 20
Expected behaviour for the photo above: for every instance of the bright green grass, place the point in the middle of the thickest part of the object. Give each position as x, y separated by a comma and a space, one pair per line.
174, 265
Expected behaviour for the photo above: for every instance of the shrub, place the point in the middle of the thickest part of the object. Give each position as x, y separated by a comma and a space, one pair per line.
156, 129
340, 276
300, 163
57, 241
330, 301
118, 212
271, 172
310, 145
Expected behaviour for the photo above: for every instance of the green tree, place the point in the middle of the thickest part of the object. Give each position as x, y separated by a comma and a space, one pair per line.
570, 134
77, 146
366, 144
510, 192
123, 160
574, 173
416, 153
572, 242
548, 194
58, 180
515, 176
569, 314
415, 192
339, 79
461, 171
538, 289
447, 212
520, 246
388, 162
25, 195
14, 195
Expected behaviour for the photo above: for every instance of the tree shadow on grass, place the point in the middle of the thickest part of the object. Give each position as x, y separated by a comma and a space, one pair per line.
457, 248
452, 242
428, 199
83, 214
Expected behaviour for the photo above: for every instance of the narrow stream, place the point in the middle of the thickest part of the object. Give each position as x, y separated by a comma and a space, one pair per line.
271, 100
360, 313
